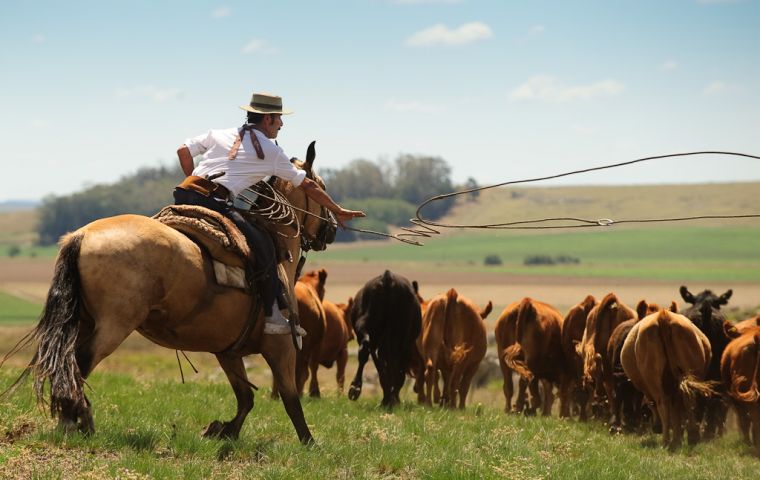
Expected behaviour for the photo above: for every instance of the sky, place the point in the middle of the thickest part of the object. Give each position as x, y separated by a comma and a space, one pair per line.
501, 90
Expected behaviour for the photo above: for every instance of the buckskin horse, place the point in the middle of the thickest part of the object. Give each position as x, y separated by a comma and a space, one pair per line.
130, 272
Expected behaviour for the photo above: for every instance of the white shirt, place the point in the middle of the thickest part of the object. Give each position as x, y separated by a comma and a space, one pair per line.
247, 168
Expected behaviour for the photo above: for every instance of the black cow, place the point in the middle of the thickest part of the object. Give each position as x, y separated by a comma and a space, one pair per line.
386, 317
705, 313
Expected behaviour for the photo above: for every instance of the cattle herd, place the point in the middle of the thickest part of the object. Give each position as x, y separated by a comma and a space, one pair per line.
638, 369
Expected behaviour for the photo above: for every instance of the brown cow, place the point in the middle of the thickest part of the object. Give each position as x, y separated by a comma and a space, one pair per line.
573, 327
337, 331
312, 317
317, 280
335, 341
748, 323
666, 357
626, 401
453, 341
740, 370
537, 354
602, 320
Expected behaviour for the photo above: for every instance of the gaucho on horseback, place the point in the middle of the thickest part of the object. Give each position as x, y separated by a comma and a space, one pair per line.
176, 277
234, 159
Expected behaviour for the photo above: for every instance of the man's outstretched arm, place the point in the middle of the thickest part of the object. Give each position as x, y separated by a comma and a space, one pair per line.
315, 192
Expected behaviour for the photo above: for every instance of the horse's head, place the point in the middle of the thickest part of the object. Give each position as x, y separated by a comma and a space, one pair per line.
318, 226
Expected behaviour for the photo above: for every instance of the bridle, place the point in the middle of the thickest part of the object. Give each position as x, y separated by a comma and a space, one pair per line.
325, 234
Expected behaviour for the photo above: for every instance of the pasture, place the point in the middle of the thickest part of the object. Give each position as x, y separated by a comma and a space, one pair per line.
148, 426
148, 422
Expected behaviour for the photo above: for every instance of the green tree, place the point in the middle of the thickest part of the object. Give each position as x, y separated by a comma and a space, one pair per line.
419, 178
359, 179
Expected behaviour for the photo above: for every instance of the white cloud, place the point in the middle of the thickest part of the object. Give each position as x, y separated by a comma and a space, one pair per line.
536, 30
716, 2
258, 46
221, 12
441, 35
38, 39
150, 92
420, 2
412, 107
716, 88
670, 65
549, 89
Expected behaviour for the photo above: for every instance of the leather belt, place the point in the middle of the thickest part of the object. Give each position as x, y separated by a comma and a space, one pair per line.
205, 187
221, 192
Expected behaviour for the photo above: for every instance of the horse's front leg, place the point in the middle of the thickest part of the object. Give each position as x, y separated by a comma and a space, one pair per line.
280, 354
356, 385
235, 370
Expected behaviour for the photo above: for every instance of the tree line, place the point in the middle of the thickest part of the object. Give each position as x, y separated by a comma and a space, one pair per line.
388, 192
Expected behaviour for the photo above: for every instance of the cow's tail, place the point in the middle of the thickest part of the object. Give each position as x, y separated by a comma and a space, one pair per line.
592, 360
752, 394
56, 332
515, 355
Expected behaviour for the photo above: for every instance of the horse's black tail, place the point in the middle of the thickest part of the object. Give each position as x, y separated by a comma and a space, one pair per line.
57, 331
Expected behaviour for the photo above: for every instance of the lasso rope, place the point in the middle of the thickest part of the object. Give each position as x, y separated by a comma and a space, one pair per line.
424, 228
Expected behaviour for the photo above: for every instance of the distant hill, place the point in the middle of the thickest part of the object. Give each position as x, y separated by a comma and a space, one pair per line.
613, 202
18, 205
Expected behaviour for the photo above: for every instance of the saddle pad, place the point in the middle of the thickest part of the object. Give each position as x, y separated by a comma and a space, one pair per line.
223, 240
229, 276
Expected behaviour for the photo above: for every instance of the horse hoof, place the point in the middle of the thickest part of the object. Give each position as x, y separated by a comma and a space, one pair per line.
354, 392
220, 430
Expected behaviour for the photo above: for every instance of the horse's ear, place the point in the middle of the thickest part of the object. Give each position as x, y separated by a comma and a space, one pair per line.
311, 153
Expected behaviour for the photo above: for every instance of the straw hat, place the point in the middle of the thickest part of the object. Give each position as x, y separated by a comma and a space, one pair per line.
265, 103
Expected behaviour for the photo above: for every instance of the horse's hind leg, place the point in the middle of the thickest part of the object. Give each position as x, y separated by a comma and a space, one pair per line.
235, 370
279, 353
93, 345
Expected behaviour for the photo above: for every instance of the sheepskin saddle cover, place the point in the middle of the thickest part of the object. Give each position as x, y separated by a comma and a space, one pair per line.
223, 240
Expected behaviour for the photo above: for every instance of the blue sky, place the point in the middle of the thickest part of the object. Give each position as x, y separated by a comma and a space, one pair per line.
500, 89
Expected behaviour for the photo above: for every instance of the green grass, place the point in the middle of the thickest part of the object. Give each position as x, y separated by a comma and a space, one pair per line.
152, 429
693, 253
14, 310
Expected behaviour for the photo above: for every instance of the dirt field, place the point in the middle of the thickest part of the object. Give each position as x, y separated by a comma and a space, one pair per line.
30, 278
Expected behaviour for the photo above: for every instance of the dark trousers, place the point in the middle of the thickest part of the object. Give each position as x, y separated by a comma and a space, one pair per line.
259, 242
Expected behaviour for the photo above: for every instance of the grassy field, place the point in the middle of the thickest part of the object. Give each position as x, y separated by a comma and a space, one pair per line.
14, 310
149, 428
148, 425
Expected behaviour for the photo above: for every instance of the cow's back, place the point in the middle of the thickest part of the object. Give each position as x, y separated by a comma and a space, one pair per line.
387, 314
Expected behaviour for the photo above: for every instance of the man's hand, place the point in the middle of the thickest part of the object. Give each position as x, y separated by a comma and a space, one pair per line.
344, 215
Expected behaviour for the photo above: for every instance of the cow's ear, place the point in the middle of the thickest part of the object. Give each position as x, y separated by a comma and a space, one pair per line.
730, 330
673, 306
723, 299
416, 287
686, 294
484, 313
641, 309
322, 275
